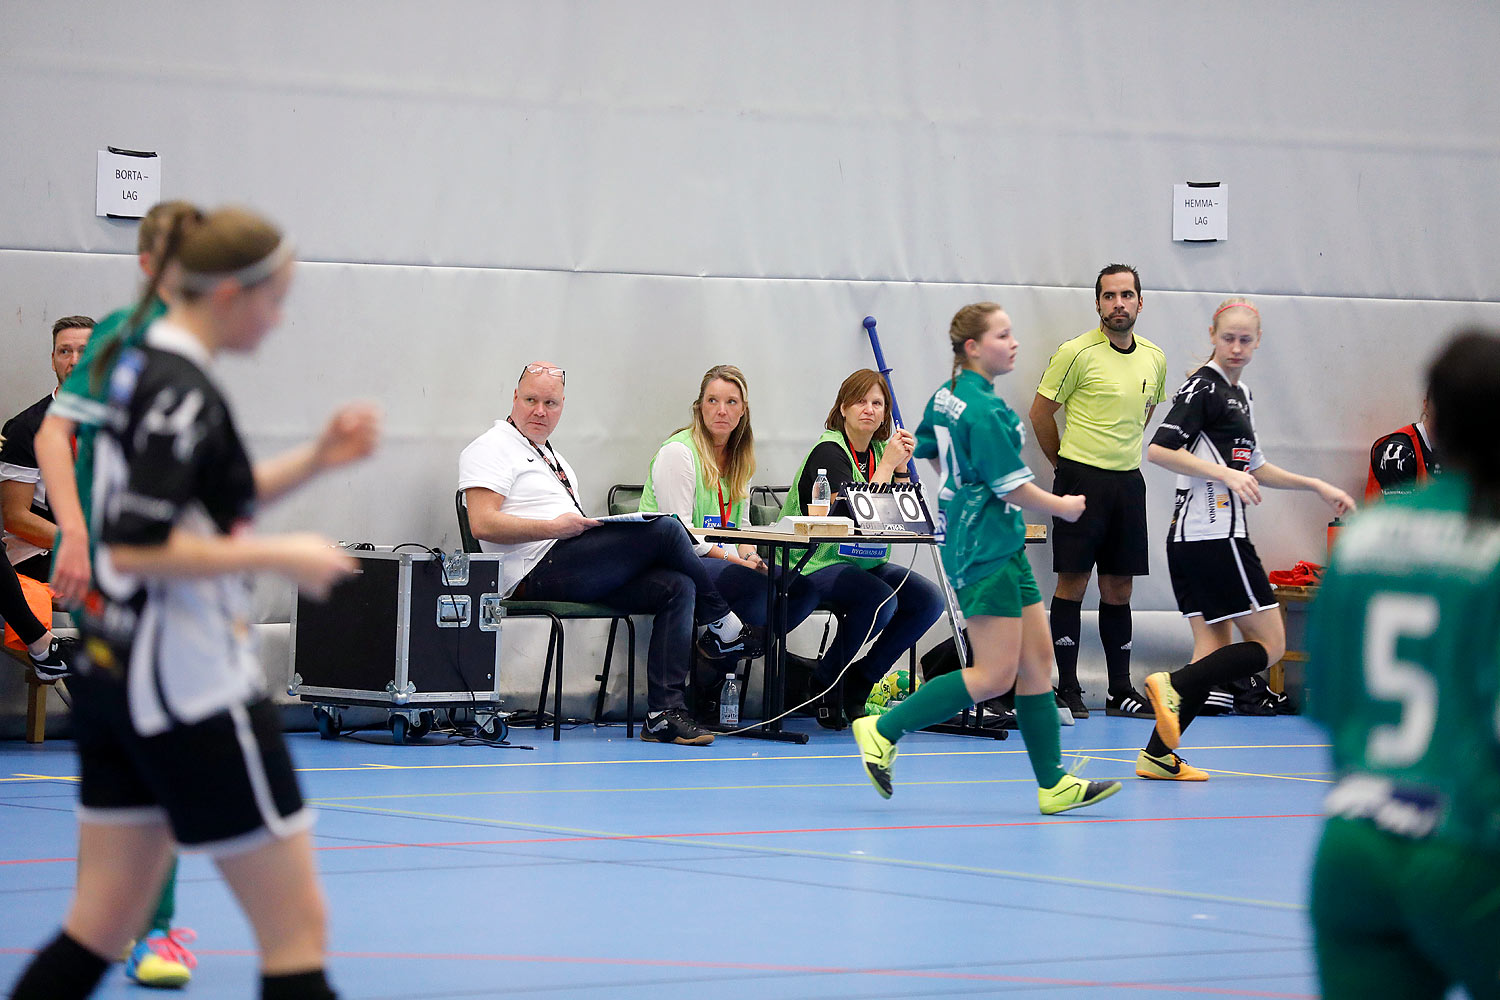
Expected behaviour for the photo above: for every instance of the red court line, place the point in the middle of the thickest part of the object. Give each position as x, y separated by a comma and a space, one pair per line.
815, 970
604, 837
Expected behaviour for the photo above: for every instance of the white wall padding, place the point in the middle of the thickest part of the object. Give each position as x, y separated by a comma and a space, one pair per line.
638, 191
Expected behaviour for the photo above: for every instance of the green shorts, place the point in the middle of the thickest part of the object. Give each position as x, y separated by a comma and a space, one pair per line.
1004, 592
1403, 918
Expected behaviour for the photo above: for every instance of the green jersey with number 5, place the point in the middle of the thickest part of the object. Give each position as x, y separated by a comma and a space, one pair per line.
1404, 667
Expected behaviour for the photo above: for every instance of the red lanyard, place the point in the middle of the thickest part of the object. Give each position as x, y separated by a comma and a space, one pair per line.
723, 510
869, 476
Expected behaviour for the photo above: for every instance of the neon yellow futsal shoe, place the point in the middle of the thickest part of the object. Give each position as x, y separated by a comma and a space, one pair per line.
1165, 702
1168, 768
1073, 792
878, 752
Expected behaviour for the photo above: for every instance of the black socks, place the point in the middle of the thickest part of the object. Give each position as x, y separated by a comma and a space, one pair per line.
63, 970
297, 986
1115, 633
1227, 663
1065, 633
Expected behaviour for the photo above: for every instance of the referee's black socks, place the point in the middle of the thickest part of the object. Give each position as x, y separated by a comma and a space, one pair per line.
63, 970
1065, 634
1115, 633
297, 986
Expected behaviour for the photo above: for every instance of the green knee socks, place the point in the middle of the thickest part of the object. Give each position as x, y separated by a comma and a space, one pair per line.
166, 906
1036, 715
937, 700
944, 697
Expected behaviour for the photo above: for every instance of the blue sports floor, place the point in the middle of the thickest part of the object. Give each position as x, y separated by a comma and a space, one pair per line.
611, 868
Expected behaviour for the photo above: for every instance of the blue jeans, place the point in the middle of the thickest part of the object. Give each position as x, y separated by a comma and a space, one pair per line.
745, 590
645, 568
853, 594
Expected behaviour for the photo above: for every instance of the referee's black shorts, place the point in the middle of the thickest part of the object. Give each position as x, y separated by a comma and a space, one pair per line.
224, 785
1111, 534
1218, 578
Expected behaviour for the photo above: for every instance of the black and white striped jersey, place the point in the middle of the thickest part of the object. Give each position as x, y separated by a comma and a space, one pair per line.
1215, 421
169, 458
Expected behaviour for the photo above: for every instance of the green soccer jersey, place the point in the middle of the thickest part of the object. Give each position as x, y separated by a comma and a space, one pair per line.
1404, 667
83, 398
977, 441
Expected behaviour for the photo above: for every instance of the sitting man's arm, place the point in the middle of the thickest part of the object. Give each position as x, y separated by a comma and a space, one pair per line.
19, 519
490, 523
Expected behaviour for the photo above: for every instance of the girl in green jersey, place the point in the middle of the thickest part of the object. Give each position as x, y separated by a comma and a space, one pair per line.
1404, 646
976, 439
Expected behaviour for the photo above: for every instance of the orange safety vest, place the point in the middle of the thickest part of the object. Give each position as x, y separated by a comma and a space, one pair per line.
1372, 485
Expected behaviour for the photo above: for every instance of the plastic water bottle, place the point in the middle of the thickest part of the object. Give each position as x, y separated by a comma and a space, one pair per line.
821, 494
729, 702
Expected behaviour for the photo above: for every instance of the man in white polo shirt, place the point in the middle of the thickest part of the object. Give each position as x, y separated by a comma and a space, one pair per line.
523, 502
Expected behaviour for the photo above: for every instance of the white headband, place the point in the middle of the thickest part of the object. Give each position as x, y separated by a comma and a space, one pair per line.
250, 274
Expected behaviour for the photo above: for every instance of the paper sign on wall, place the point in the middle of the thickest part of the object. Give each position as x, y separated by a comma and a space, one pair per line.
1200, 212
129, 183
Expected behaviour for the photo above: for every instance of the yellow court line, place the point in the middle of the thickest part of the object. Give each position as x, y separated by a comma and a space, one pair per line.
660, 788
1242, 774
372, 766
841, 856
689, 759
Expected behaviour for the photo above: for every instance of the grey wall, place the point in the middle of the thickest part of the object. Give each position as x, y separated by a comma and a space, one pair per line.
638, 191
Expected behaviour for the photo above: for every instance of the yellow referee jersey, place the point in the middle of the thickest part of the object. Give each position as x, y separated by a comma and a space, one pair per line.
1106, 393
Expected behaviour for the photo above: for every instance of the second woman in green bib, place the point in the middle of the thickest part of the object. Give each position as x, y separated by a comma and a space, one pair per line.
852, 578
702, 474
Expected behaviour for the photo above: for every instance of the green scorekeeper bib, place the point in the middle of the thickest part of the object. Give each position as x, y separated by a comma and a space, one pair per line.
706, 511
1404, 667
864, 554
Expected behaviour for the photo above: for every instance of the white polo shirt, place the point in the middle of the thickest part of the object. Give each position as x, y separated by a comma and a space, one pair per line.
502, 459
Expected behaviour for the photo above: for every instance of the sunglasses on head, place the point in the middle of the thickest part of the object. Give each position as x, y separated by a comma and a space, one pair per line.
545, 370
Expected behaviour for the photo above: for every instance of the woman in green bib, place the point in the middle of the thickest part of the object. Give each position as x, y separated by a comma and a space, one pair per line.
702, 474
853, 579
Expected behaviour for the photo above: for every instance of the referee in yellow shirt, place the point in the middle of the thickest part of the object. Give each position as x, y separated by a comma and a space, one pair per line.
1108, 381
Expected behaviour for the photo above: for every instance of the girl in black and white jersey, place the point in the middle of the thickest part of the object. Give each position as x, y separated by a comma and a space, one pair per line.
177, 738
1208, 439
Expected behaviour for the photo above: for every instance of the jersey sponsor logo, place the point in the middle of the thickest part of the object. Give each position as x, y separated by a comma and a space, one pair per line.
1176, 429
1236, 404
1240, 455
856, 550
1212, 496
950, 405
1403, 810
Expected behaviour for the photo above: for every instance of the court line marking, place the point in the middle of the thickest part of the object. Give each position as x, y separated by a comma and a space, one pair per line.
373, 766
331, 800
1170, 986
564, 835
1241, 774
576, 835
